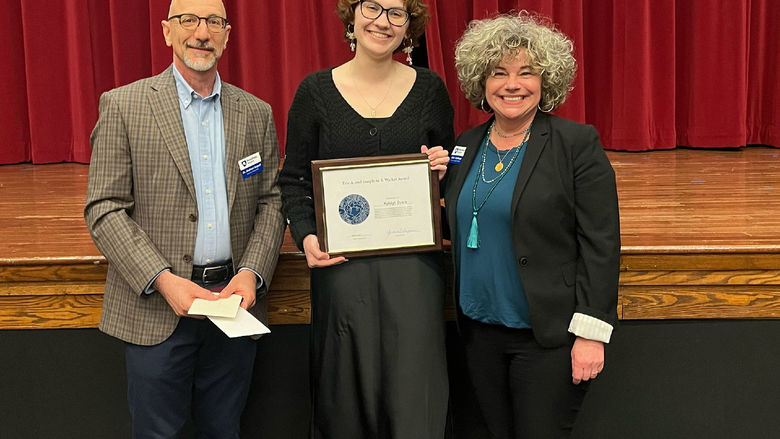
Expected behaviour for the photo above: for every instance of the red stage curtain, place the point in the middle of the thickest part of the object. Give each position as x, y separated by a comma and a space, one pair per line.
653, 74
64, 53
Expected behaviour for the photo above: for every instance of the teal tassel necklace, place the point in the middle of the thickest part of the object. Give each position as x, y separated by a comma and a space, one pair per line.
473, 240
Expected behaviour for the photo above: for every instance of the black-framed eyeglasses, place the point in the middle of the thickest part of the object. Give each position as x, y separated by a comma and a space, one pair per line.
373, 10
214, 23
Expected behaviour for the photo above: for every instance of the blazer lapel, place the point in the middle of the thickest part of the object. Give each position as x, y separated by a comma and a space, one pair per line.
164, 102
539, 136
472, 140
235, 136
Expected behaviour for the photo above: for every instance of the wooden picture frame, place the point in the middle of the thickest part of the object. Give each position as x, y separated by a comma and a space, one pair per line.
369, 206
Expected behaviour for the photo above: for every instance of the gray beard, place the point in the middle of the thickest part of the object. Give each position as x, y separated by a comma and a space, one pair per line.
199, 65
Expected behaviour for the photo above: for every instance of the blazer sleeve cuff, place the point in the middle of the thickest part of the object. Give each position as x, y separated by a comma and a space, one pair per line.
585, 326
150, 286
260, 282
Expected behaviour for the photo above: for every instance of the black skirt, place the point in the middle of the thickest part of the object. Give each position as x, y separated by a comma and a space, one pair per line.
378, 362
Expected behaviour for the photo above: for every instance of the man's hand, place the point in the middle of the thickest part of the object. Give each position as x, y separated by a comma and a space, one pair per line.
244, 283
180, 292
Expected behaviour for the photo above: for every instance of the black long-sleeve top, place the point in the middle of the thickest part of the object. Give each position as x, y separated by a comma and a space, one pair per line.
322, 125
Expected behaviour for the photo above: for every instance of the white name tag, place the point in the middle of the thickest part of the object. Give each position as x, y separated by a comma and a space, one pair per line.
457, 155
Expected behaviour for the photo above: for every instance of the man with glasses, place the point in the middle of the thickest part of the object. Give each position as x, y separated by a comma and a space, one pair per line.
183, 202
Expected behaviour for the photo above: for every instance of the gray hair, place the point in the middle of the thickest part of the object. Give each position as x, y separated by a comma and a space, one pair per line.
487, 42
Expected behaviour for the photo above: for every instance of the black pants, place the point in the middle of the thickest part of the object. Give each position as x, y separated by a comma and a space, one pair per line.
198, 371
378, 356
523, 389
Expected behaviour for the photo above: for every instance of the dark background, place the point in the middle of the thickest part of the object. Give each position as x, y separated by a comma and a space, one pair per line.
663, 379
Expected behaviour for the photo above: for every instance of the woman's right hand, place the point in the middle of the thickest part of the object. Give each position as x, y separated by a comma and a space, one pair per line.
317, 258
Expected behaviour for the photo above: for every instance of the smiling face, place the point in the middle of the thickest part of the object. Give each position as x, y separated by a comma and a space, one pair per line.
514, 90
195, 50
378, 37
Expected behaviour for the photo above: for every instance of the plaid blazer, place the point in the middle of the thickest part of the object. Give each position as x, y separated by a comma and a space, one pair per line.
141, 209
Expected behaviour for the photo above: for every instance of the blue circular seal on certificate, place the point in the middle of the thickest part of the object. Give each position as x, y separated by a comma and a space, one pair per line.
354, 209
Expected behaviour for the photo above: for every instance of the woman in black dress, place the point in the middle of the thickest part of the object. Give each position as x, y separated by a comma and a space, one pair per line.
378, 355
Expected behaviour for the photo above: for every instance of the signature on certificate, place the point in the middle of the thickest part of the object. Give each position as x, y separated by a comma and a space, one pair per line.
401, 231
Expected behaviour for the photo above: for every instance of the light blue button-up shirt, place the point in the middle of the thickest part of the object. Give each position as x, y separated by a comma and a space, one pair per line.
205, 134
203, 128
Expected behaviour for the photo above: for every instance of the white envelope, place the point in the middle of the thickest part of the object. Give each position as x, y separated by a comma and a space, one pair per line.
244, 324
227, 307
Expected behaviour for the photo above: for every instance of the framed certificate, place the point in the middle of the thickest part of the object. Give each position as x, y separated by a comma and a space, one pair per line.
377, 205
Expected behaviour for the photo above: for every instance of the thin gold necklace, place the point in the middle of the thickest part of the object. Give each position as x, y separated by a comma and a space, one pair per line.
372, 107
500, 165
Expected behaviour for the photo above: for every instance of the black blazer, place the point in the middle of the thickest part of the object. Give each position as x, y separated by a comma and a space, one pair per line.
565, 224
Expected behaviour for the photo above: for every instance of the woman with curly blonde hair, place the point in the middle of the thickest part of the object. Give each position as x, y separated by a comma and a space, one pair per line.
378, 363
533, 215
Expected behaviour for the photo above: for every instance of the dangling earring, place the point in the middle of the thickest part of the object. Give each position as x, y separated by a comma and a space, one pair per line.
408, 50
351, 36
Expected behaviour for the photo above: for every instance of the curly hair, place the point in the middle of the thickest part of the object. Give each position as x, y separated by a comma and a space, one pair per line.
487, 42
418, 17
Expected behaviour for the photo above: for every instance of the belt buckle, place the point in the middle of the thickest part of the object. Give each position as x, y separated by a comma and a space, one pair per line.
207, 277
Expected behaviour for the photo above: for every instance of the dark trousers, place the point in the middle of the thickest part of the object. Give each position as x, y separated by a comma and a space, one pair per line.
523, 389
199, 372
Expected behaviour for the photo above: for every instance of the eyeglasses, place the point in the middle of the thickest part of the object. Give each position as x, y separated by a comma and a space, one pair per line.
373, 10
214, 23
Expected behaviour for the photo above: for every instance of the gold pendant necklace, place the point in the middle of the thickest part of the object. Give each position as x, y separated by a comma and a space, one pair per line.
500, 165
372, 107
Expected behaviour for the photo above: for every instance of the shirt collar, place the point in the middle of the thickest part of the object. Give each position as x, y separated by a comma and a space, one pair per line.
187, 93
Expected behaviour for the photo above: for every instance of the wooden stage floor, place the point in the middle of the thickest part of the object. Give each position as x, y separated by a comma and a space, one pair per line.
700, 234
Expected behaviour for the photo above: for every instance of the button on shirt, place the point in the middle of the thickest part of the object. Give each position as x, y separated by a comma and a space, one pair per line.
203, 128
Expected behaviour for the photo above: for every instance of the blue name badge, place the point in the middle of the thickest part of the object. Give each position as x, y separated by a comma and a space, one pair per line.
457, 155
250, 165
